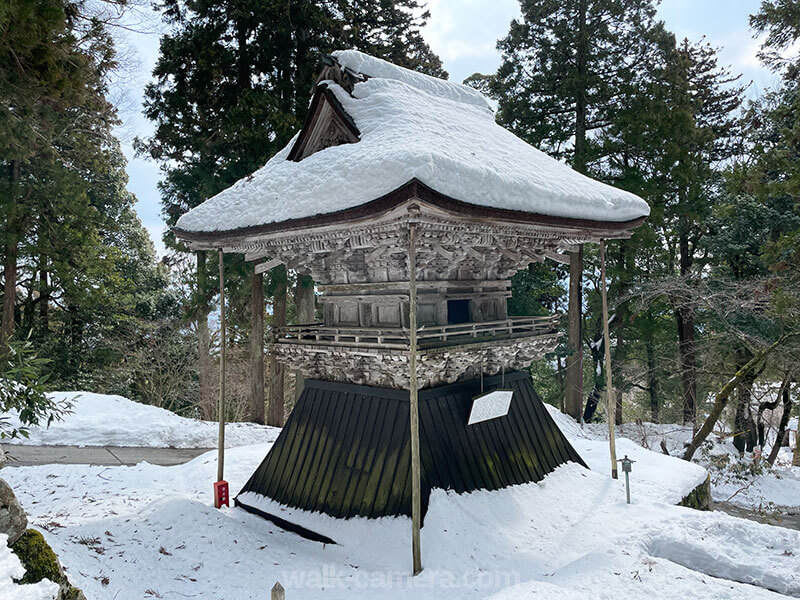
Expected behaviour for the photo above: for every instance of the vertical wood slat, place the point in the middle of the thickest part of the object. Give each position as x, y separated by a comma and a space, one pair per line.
317, 480
314, 456
292, 476
382, 477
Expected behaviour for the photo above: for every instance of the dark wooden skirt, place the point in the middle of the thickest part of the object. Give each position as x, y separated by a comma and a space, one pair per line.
345, 448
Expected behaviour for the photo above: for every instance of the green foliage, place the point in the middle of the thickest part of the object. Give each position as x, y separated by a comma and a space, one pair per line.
85, 266
564, 67
780, 20
547, 381
22, 390
538, 291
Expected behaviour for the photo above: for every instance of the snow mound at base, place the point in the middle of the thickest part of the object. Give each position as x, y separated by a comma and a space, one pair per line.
103, 420
654, 475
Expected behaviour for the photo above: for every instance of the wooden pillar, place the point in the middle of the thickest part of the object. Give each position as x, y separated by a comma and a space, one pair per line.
573, 388
416, 492
222, 344
304, 301
257, 349
277, 404
612, 444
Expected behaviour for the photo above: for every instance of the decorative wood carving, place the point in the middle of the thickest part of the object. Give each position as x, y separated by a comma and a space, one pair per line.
389, 368
327, 125
448, 250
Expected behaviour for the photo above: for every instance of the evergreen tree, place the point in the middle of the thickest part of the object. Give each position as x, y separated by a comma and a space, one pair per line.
233, 84
78, 263
43, 72
675, 131
564, 67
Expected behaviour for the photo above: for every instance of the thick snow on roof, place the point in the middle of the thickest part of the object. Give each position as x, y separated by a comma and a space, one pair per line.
413, 126
441, 88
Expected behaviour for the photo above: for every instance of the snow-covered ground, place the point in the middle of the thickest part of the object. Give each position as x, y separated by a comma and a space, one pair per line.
148, 532
102, 420
734, 479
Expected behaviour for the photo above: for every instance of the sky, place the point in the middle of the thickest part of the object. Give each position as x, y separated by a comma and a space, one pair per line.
463, 33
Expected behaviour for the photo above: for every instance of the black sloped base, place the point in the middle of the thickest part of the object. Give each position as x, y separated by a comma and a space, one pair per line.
345, 449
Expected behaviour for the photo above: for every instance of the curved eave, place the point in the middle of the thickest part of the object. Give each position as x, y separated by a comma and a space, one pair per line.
414, 189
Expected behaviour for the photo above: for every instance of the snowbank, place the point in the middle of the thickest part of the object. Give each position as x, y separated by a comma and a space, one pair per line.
654, 474
10, 569
734, 479
413, 126
101, 420
570, 536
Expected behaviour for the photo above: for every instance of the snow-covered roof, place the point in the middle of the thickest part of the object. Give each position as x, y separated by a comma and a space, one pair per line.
412, 126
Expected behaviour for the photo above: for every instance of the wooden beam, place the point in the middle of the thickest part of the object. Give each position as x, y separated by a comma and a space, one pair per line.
255, 254
267, 266
257, 349
558, 257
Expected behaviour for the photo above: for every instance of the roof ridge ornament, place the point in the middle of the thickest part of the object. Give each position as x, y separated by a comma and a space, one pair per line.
332, 70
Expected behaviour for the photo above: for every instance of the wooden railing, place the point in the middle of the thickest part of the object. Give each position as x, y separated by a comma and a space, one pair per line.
429, 336
511, 327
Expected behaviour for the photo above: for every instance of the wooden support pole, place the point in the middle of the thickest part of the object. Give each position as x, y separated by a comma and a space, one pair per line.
257, 408
416, 492
612, 443
277, 592
221, 405
573, 389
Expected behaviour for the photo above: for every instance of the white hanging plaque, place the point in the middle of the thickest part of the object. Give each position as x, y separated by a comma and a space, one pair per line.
490, 406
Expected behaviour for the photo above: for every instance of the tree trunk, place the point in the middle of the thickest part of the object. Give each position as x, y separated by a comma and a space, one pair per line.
257, 349
276, 370
796, 455
591, 404
764, 406
204, 366
573, 380
44, 293
618, 408
304, 302
684, 317
652, 380
787, 411
742, 417
686, 348
573, 377
10, 262
721, 399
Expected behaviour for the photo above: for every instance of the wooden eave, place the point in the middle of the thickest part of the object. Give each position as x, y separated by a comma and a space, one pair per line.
413, 190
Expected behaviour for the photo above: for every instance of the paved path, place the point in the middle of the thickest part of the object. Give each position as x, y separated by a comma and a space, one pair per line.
780, 515
21, 456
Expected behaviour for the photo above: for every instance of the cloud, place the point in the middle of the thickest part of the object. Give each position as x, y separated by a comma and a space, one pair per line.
464, 33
